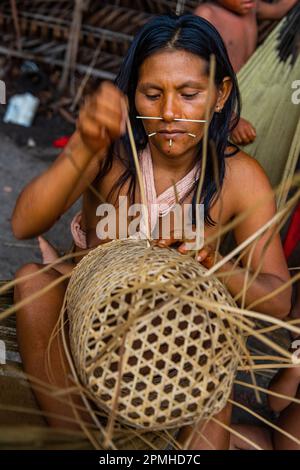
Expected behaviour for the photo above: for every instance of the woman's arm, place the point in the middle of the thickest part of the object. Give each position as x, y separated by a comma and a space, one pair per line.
250, 191
265, 283
45, 198
274, 11
48, 196
247, 189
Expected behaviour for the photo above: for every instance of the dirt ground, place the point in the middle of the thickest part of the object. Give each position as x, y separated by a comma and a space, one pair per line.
19, 164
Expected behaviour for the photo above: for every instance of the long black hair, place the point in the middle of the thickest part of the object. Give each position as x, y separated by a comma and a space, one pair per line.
196, 35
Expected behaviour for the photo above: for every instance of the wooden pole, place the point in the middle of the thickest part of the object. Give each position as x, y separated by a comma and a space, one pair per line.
73, 42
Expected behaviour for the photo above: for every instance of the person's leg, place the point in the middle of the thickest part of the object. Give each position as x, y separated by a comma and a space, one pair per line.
286, 382
50, 255
295, 311
288, 421
257, 434
35, 323
208, 435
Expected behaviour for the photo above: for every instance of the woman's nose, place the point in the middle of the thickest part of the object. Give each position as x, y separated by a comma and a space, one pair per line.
169, 109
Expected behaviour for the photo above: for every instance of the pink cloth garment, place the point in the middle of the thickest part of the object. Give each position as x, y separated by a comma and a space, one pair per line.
157, 206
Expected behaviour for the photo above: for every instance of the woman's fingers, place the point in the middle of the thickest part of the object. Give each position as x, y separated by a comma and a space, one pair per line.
207, 256
183, 249
103, 117
110, 109
163, 243
204, 253
173, 237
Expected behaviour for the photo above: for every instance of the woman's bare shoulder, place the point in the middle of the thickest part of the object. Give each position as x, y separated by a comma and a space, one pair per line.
241, 167
245, 179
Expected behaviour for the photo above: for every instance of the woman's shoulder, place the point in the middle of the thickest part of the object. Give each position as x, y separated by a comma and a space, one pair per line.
241, 167
245, 179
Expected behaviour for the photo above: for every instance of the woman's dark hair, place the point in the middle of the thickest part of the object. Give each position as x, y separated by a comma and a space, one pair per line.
196, 35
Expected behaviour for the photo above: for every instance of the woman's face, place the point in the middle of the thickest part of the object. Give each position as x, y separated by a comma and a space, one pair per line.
174, 84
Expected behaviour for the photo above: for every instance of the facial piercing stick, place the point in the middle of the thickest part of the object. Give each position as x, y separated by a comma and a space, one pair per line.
190, 120
148, 117
176, 119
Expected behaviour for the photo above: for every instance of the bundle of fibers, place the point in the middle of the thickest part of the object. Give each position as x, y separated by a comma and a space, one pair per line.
143, 340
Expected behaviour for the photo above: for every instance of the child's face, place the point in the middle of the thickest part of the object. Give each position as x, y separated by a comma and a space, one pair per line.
241, 7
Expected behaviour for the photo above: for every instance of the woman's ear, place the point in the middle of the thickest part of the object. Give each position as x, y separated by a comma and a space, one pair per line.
223, 94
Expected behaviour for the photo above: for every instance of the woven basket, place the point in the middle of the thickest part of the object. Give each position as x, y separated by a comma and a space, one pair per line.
170, 361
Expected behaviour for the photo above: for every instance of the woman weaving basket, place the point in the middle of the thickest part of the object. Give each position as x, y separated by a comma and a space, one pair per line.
164, 82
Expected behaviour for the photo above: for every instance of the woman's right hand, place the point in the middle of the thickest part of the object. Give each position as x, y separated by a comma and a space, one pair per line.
102, 119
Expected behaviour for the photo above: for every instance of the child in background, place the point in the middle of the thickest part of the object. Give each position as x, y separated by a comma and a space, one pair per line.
236, 21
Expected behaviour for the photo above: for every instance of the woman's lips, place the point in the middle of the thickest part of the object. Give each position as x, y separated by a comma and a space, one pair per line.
171, 135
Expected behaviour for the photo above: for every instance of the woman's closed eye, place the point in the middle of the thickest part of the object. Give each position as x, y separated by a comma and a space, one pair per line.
190, 96
187, 96
152, 97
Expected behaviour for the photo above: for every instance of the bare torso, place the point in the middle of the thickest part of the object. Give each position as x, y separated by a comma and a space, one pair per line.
238, 32
221, 212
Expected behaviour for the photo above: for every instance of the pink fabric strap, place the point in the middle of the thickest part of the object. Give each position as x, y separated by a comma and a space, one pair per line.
159, 206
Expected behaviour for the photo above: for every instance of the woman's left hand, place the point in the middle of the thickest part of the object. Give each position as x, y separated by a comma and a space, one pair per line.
207, 255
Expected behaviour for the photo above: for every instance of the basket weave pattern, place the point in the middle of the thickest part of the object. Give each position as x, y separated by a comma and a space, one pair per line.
172, 361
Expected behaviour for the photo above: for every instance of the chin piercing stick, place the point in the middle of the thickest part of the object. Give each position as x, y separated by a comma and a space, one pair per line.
152, 134
170, 142
192, 135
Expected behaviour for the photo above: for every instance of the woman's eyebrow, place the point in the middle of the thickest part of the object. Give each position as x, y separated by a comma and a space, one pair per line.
190, 84
147, 85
